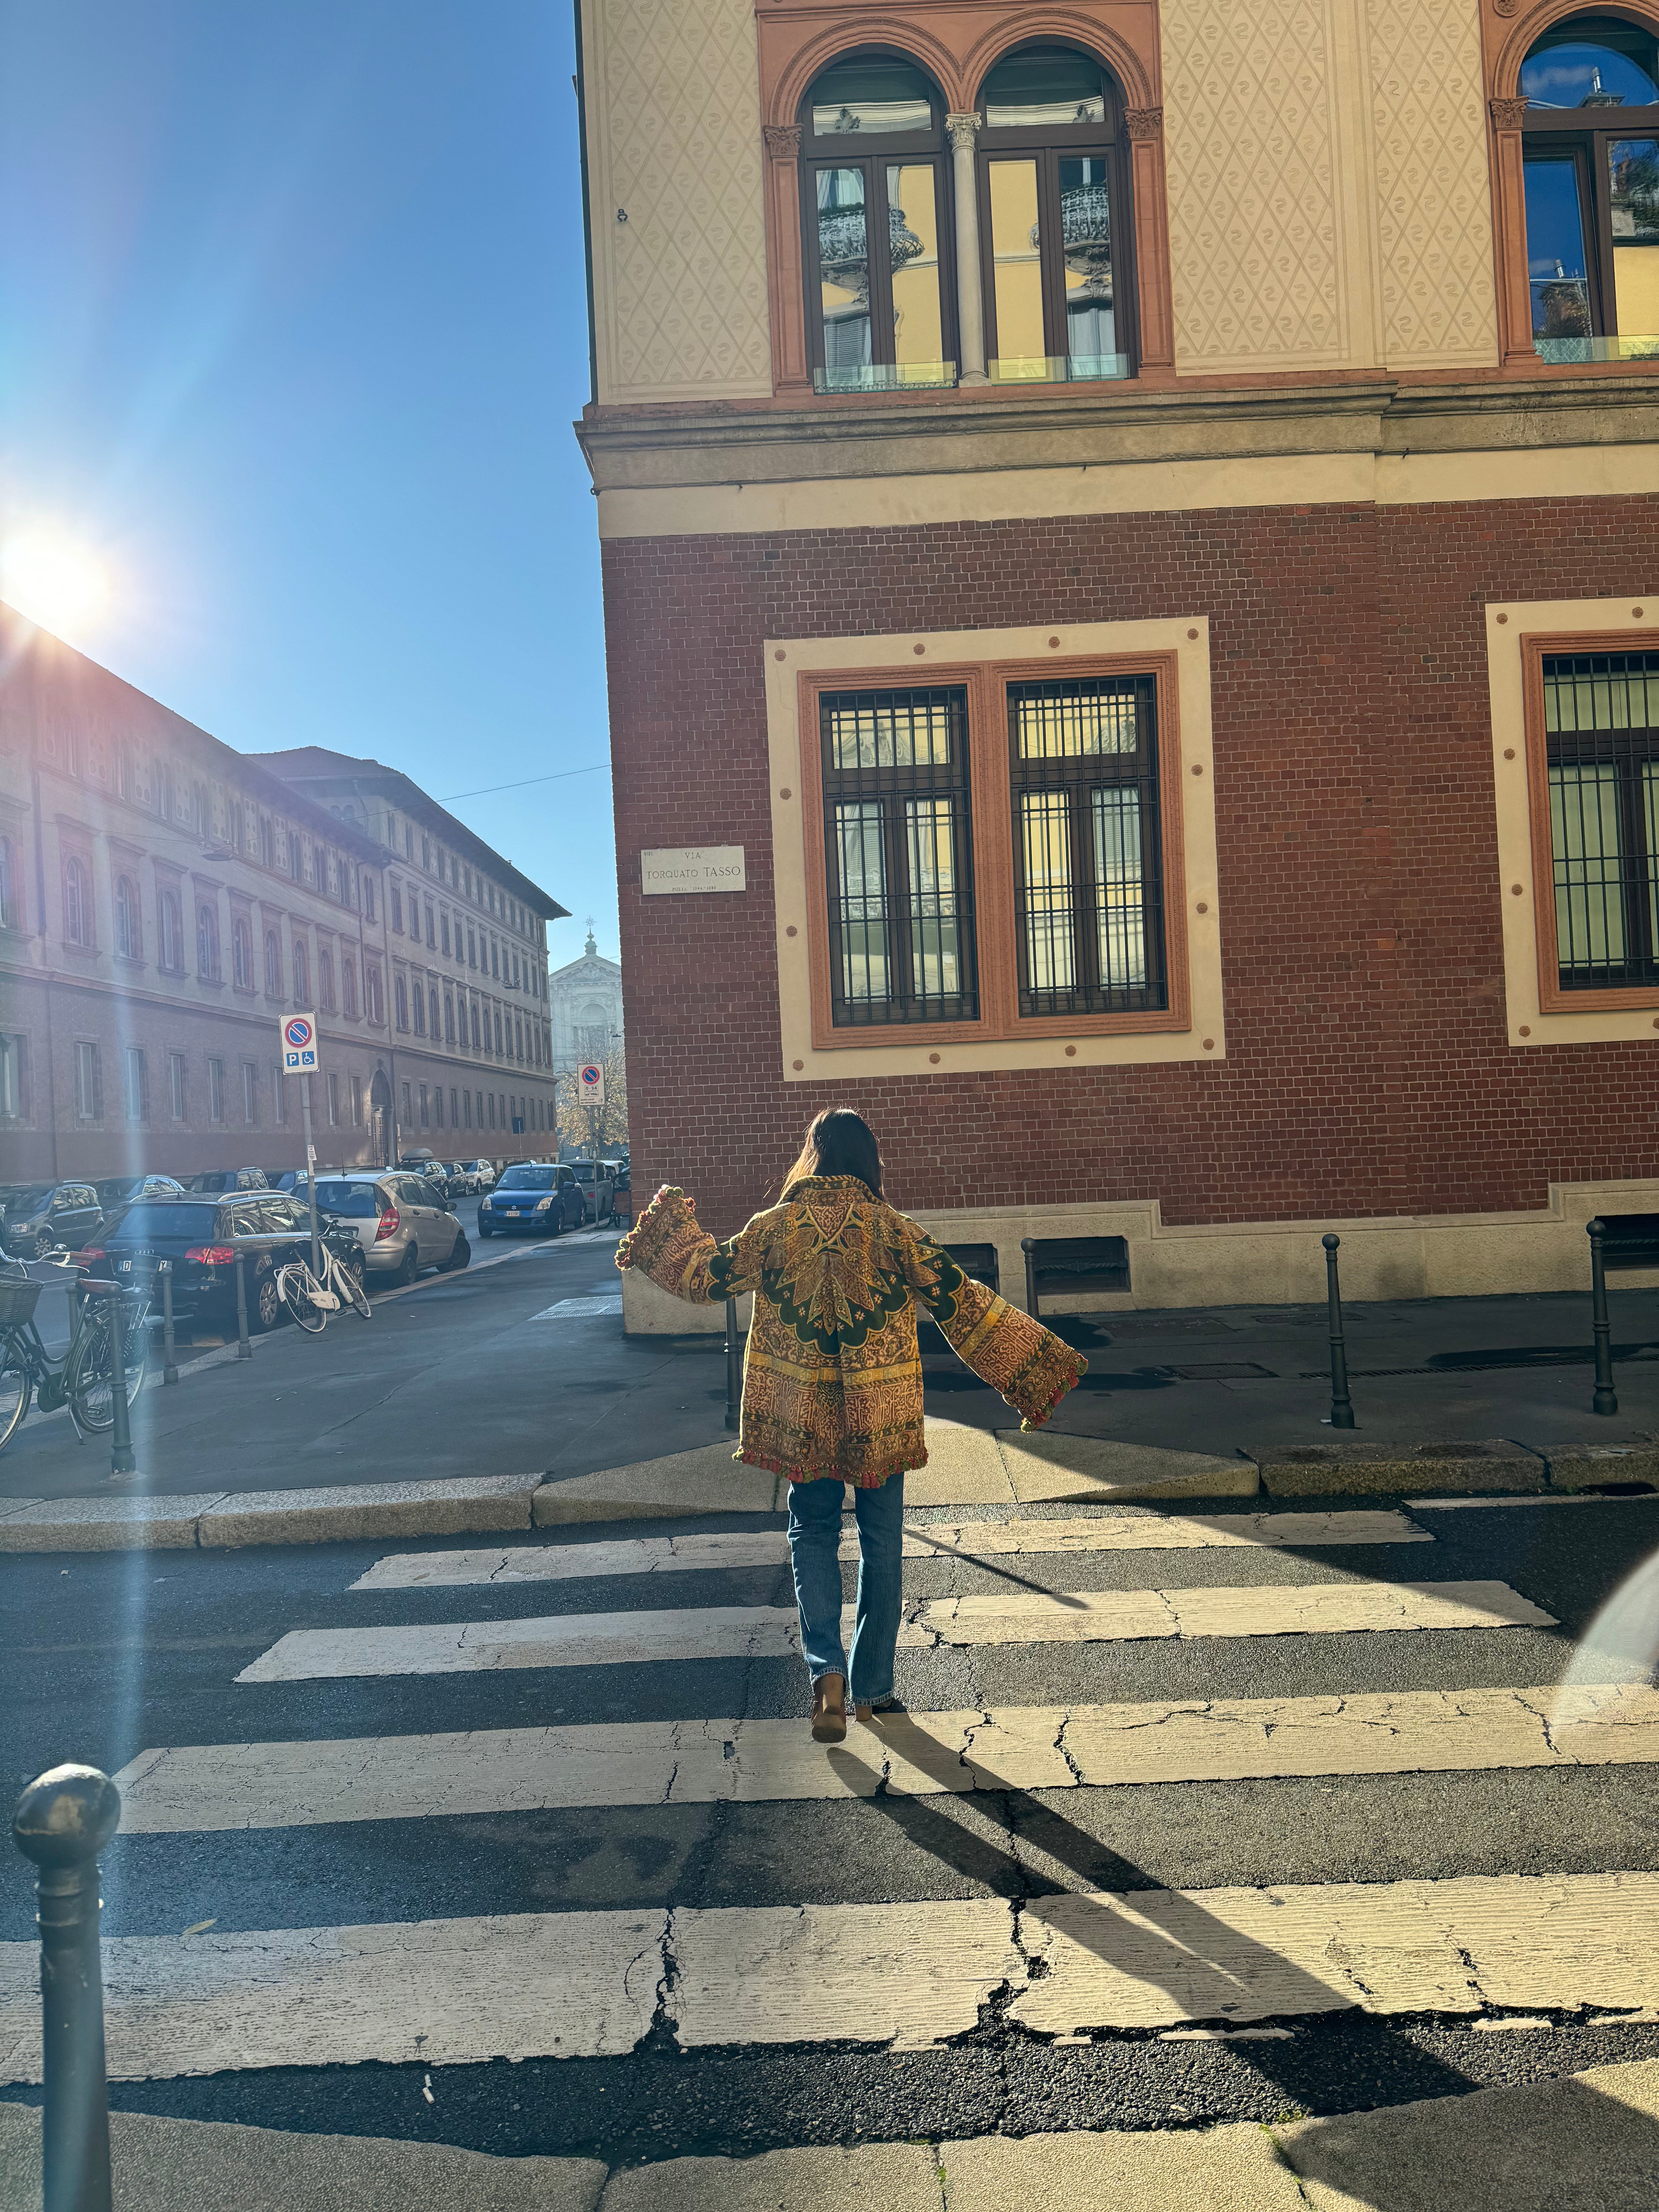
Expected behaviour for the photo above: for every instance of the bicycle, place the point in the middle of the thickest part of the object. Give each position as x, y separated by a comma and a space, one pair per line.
83, 1379
309, 1302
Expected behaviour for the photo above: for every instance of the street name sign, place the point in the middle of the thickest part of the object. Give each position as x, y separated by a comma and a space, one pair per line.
589, 1082
694, 868
299, 1044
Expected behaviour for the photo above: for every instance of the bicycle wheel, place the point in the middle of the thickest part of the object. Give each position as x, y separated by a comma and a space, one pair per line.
348, 1277
298, 1284
89, 1384
17, 1381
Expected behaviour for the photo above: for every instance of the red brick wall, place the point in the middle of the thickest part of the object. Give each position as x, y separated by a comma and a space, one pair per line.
1368, 1070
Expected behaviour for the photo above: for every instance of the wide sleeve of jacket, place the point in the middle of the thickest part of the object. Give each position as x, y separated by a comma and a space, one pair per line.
667, 1244
1031, 1367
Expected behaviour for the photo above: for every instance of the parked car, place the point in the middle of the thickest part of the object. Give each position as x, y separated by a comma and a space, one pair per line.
595, 1187
212, 1181
460, 1179
50, 1216
532, 1195
482, 1173
197, 1232
117, 1191
399, 1226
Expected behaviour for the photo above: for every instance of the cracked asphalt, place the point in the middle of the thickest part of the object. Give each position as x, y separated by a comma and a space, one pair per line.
109, 1655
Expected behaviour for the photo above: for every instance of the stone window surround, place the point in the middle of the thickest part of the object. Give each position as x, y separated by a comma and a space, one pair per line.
800, 919
1518, 634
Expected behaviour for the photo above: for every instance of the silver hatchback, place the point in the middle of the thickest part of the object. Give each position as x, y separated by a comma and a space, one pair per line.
398, 1221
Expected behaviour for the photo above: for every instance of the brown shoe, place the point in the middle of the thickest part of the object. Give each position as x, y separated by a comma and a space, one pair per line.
829, 1710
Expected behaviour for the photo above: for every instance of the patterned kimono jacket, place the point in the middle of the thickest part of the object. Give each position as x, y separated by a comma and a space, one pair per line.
832, 1380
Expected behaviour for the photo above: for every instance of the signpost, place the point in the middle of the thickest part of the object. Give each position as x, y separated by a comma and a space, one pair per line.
590, 1089
299, 1034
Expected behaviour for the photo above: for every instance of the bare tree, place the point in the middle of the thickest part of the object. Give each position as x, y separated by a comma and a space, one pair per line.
589, 1125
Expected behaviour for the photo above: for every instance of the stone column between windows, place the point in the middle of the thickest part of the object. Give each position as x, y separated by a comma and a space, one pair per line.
963, 131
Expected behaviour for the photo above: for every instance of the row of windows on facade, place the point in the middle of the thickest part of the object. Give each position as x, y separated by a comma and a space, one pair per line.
503, 1111
515, 1038
479, 949
448, 867
189, 802
1033, 196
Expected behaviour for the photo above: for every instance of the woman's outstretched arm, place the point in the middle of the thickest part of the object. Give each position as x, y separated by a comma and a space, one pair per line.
1031, 1367
667, 1244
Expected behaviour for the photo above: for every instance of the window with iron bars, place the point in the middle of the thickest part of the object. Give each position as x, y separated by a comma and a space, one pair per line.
1602, 736
898, 854
1088, 886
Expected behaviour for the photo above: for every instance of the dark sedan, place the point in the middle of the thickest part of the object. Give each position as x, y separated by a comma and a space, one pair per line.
198, 1234
543, 1197
50, 1216
115, 1192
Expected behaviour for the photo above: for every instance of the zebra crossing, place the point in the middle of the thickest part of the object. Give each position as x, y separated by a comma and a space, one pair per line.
1096, 1604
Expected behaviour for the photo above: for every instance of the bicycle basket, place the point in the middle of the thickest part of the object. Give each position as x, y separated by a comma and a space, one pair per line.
17, 1301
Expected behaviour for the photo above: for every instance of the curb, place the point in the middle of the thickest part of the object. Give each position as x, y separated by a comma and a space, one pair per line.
966, 1467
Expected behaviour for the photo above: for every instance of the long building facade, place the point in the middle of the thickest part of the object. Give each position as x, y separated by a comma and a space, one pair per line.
1133, 522
165, 901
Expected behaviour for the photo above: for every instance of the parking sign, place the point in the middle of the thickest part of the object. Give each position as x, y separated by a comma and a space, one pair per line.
299, 1044
591, 1081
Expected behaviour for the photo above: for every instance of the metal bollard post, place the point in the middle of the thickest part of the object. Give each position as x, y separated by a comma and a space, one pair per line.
1027, 1246
63, 1822
1605, 1400
1341, 1403
244, 1349
121, 1460
169, 1349
734, 1365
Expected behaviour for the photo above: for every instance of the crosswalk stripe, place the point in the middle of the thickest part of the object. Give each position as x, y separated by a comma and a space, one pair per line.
901, 1976
215, 1787
594, 1639
739, 1548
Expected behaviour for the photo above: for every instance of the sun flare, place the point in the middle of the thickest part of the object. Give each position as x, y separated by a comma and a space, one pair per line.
47, 576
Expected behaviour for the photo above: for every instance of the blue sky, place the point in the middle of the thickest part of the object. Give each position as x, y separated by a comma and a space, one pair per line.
293, 331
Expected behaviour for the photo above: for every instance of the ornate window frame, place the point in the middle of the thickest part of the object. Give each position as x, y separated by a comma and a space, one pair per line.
1190, 1027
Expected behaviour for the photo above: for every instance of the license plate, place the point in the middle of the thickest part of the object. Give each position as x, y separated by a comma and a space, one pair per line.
124, 1266
514, 1210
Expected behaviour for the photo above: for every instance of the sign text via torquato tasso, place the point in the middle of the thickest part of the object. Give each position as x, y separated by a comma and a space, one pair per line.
692, 868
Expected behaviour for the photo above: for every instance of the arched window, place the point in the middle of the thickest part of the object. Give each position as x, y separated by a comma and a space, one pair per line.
273, 965
1052, 195
400, 998
301, 973
325, 979
349, 987
1590, 140
207, 942
875, 212
77, 902
436, 1017
170, 932
241, 954
129, 940
420, 1009
374, 1004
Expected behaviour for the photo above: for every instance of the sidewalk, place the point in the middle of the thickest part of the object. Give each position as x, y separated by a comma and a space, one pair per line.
1589, 2143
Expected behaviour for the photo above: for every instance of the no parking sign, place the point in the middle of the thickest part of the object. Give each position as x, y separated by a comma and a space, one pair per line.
591, 1083
298, 1033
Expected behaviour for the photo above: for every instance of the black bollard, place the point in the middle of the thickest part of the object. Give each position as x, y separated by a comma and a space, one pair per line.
169, 1349
1341, 1403
244, 1349
733, 1366
63, 1821
121, 1460
1606, 1399
1027, 1246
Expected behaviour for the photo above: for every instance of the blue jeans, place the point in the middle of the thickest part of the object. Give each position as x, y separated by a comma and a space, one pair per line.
815, 1510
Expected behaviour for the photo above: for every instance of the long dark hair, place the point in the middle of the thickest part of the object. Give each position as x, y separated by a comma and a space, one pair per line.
839, 1143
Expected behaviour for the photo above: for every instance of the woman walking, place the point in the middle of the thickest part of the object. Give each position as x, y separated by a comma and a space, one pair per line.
832, 1377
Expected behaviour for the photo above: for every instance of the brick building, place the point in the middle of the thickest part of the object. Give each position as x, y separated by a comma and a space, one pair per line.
164, 900
1138, 519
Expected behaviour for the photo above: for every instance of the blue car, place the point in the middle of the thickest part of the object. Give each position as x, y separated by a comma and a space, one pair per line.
546, 1199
